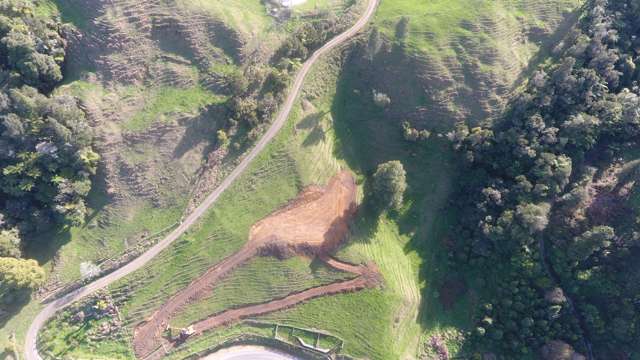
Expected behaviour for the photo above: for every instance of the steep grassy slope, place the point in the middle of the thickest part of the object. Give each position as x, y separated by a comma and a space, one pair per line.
251, 21
466, 57
423, 298
345, 125
150, 76
303, 153
149, 154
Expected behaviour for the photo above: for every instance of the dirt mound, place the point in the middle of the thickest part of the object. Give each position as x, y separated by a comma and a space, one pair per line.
312, 224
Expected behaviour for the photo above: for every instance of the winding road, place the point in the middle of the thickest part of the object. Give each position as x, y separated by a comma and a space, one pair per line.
249, 352
30, 346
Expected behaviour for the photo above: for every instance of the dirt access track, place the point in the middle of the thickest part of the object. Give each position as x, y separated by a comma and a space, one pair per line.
313, 224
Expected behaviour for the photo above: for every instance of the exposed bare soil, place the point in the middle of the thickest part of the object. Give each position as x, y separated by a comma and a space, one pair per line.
314, 223
30, 344
369, 278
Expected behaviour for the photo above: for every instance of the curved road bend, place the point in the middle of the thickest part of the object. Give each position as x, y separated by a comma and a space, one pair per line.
30, 350
249, 353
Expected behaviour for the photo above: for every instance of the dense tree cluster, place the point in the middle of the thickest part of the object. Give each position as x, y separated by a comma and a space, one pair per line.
253, 102
257, 90
309, 37
31, 46
45, 143
529, 203
45, 157
389, 185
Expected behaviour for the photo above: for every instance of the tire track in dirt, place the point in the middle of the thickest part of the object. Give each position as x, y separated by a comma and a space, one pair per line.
147, 336
368, 277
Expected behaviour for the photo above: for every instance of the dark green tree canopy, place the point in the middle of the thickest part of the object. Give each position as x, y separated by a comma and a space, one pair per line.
554, 175
46, 160
389, 185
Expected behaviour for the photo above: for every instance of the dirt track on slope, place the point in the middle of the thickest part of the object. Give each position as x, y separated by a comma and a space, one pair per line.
147, 336
314, 223
369, 279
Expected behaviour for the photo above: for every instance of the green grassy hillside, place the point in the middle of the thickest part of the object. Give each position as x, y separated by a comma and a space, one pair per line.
311, 149
460, 60
437, 27
467, 57
332, 133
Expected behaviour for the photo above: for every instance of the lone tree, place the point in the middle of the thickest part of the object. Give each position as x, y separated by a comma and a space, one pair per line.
381, 99
389, 184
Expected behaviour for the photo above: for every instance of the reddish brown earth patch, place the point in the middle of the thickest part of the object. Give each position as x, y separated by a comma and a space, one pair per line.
315, 223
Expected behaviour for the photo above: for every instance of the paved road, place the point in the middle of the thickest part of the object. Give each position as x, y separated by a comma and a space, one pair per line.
30, 350
248, 353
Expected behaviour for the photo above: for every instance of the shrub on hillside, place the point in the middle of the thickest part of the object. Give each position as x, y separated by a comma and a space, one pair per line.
381, 100
389, 185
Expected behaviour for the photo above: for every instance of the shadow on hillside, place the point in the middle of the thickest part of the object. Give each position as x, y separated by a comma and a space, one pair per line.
549, 43
43, 244
46, 241
11, 305
202, 129
367, 136
311, 121
316, 265
314, 122
316, 136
